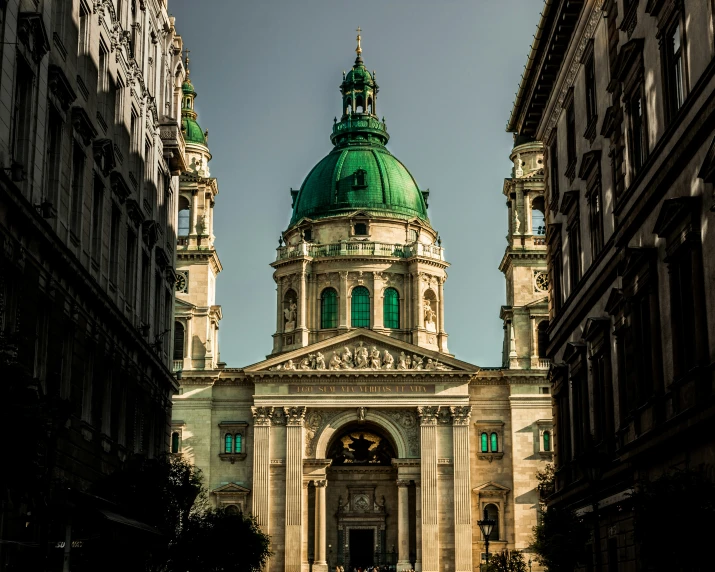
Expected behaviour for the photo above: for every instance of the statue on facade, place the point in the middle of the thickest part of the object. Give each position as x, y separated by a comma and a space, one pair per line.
289, 365
346, 359
361, 357
334, 362
430, 316
375, 361
319, 361
290, 314
388, 360
408, 362
305, 363
416, 362
402, 363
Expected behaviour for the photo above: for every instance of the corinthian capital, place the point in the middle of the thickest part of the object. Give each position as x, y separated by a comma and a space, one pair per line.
428, 414
294, 416
460, 414
262, 416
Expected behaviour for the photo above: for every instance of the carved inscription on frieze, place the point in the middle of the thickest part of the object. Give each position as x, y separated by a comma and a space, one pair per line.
355, 389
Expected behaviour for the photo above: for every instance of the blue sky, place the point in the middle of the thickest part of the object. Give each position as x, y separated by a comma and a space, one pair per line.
267, 73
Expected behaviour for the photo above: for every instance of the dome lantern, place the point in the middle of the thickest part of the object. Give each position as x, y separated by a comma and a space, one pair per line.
189, 126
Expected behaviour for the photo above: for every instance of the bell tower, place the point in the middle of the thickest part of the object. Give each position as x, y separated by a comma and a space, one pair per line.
525, 314
196, 313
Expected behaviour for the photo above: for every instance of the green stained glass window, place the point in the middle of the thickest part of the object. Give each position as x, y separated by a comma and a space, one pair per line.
485, 443
228, 444
175, 442
360, 314
495, 442
238, 443
329, 308
391, 308
547, 441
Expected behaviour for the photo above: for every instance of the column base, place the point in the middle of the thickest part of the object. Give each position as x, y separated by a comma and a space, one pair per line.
403, 565
320, 567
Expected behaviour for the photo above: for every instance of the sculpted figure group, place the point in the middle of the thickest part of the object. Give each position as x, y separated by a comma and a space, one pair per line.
360, 357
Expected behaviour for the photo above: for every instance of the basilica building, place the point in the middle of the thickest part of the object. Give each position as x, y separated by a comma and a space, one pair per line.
361, 439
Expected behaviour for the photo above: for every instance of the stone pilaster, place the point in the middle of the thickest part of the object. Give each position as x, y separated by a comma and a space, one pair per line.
462, 489
430, 493
294, 488
418, 525
343, 301
403, 524
261, 466
378, 302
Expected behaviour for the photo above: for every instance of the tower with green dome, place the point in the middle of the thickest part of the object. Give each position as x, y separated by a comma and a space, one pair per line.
359, 251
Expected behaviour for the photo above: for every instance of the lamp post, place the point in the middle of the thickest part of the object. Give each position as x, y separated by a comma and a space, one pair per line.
486, 525
529, 564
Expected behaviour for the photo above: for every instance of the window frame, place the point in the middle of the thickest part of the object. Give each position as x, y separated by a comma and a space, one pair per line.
360, 307
233, 431
331, 312
391, 313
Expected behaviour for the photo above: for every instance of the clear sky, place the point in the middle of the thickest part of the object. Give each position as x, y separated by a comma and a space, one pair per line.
267, 74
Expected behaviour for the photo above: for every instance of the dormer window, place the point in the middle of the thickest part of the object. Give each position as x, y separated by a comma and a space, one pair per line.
360, 179
360, 229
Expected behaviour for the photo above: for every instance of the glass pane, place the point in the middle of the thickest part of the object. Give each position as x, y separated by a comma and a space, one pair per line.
495, 443
329, 309
485, 443
391, 308
174, 442
360, 314
238, 443
547, 441
228, 448
184, 216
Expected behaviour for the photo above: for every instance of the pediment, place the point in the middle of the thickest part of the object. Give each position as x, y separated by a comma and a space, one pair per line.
184, 303
231, 488
362, 350
491, 487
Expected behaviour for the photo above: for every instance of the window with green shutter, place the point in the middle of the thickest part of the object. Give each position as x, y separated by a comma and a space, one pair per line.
228, 443
391, 309
238, 443
329, 309
495, 443
360, 313
485, 443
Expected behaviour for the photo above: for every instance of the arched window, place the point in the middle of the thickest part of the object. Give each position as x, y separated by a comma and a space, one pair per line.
228, 443
184, 216
238, 443
485, 443
232, 509
360, 229
360, 179
178, 340
391, 308
547, 441
491, 511
329, 309
494, 442
360, 312
542, 338
412, 236
359, 105
175, 442
538, 224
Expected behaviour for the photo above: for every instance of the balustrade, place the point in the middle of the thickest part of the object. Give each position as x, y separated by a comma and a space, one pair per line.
360, 249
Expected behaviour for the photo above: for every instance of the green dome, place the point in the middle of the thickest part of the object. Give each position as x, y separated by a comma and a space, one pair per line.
337, 187
358, 73
191, 130
187, 87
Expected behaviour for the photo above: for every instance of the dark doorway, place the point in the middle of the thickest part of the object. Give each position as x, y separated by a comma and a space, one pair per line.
362, 547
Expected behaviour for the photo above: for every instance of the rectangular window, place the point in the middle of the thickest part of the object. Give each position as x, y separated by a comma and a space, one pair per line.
22, 106
574, 236
571, 137
636, 130
135, 141
554, 171
682, 296
78, 164
114, 244
158, 306
146, 287
119, 102
591, 104
103, 79
595, 216
563, 442
556, 282
130, 272
55, 128
674, 70
97, 212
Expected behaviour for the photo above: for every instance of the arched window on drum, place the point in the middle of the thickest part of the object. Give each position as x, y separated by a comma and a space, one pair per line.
391, 309
329, 309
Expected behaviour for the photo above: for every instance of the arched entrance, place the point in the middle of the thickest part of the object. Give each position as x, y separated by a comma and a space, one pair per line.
362, 497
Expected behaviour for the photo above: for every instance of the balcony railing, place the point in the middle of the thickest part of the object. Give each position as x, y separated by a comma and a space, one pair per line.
178, 365
360, 249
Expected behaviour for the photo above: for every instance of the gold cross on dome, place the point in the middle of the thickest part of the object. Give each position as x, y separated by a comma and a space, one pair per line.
358, 50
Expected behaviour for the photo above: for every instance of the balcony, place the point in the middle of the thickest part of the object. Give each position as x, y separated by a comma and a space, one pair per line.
174, 146
178, 365
379, 249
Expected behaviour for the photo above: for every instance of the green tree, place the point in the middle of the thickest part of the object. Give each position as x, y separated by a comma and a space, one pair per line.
507, 561
560, 540
675, 506
215, 540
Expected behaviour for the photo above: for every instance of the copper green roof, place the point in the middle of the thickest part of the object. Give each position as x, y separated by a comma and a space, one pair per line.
359, 173
192, 131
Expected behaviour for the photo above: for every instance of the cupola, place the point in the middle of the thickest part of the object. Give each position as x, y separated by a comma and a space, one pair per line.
190, 128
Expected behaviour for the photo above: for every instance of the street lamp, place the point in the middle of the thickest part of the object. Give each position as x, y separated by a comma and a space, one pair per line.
529, 564
486, 526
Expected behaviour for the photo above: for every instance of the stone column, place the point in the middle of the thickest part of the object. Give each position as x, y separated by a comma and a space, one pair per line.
280, 320
527, 214
418, 526
440, 289
261, 508
294, 487
343, 301
429, 496
211, 220
303, 297
378, 308
194, 211
462, 489
320, 524
403, 525
417, 301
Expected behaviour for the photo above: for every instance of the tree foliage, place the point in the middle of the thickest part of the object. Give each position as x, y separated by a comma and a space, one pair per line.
675, 506
560, 540
507, 561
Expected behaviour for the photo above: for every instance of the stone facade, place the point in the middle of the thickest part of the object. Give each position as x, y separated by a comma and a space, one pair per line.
623, 103
90, 149
360, 439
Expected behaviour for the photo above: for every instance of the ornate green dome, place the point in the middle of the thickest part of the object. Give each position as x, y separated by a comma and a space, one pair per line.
189, 126
192, 131
359, 173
